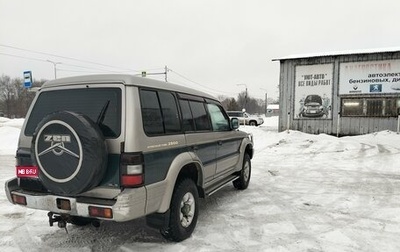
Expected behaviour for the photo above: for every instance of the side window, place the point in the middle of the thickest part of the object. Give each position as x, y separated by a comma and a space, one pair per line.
169, 112
200, 116
151, 112
218, 119
187, 118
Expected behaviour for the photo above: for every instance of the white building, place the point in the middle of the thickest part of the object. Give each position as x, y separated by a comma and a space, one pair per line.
340, 93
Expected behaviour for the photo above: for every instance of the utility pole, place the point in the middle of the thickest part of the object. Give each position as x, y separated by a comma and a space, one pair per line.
144, 73
266, 101
245, 97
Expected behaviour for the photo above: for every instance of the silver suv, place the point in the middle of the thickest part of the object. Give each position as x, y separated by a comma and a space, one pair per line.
118, 147
246, 118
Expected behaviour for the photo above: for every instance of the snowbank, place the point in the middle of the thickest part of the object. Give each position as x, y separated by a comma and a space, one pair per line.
9, 133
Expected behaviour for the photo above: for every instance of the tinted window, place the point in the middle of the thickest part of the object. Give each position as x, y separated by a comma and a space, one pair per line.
218, 119
187, 118
151, 112
159, 112
88, 101
170, 112
235, 114
200, 116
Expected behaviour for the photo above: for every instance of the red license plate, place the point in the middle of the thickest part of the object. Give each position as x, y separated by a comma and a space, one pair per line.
27, 171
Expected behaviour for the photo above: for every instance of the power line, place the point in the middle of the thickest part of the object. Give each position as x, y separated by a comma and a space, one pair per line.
100, 64
96, 70
66, 64
17, 56
64, 57
103, 70
184, 77
77, 71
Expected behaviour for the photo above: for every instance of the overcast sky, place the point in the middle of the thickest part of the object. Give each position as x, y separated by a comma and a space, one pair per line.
211, 45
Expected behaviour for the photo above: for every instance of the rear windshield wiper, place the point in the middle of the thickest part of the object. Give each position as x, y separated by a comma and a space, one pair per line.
102, 114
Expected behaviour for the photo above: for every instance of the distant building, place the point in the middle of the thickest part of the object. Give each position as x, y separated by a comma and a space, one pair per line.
272, 110
343, 93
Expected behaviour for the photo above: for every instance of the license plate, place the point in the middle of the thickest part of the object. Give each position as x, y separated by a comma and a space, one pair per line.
27, 172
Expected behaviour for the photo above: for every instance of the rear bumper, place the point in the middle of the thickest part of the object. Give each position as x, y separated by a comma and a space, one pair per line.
128, 205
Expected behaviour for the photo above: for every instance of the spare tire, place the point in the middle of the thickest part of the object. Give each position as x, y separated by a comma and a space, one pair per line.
70, 151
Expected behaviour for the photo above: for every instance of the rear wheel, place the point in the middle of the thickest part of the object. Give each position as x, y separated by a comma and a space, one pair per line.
184, 211
244, 179
253, 123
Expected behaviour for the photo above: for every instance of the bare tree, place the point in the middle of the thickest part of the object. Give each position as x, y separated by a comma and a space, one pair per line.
7, 95
15, 99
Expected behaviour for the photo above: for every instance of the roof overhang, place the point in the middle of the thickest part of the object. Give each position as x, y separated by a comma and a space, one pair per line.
340, 53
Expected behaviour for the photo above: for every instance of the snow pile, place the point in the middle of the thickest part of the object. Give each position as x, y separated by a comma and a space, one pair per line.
9, 133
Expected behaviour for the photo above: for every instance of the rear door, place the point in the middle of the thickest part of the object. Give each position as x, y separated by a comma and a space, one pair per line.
199, 136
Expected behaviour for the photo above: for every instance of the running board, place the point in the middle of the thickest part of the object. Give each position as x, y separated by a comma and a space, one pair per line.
220, 184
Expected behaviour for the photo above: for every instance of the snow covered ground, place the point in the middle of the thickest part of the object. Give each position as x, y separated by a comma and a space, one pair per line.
307, 193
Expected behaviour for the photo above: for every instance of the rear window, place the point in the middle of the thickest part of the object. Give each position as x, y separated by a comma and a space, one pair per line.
88, 101
235, 114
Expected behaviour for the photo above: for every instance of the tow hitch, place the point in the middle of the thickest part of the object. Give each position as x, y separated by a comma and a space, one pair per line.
60, 219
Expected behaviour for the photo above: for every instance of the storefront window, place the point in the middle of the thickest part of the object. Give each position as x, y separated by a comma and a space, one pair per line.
391, 109
374, 107
352, 107
371, 107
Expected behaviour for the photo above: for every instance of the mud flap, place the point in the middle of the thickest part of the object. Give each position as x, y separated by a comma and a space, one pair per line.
158, 220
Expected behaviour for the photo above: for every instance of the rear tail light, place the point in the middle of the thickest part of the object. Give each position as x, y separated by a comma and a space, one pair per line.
132, 174
17, 199
131, 180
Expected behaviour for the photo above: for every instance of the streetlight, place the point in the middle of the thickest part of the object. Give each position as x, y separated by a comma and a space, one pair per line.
55, 67
245, 98
266, 100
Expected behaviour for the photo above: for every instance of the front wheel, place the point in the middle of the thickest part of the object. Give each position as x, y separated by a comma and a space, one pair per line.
184, 211
244, 179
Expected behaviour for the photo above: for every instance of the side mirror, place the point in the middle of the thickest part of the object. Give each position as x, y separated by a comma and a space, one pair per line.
234, 123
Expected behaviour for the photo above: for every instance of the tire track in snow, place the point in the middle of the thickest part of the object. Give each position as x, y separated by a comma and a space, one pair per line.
329, 212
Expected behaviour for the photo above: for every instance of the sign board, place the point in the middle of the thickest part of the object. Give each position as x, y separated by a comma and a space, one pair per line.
313, 92
27, 79
369, 77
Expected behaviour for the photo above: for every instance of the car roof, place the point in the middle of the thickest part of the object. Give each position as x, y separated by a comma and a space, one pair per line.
125, 79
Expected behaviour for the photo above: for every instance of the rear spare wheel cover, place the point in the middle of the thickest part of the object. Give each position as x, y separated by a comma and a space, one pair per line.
58, 148
70, 151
